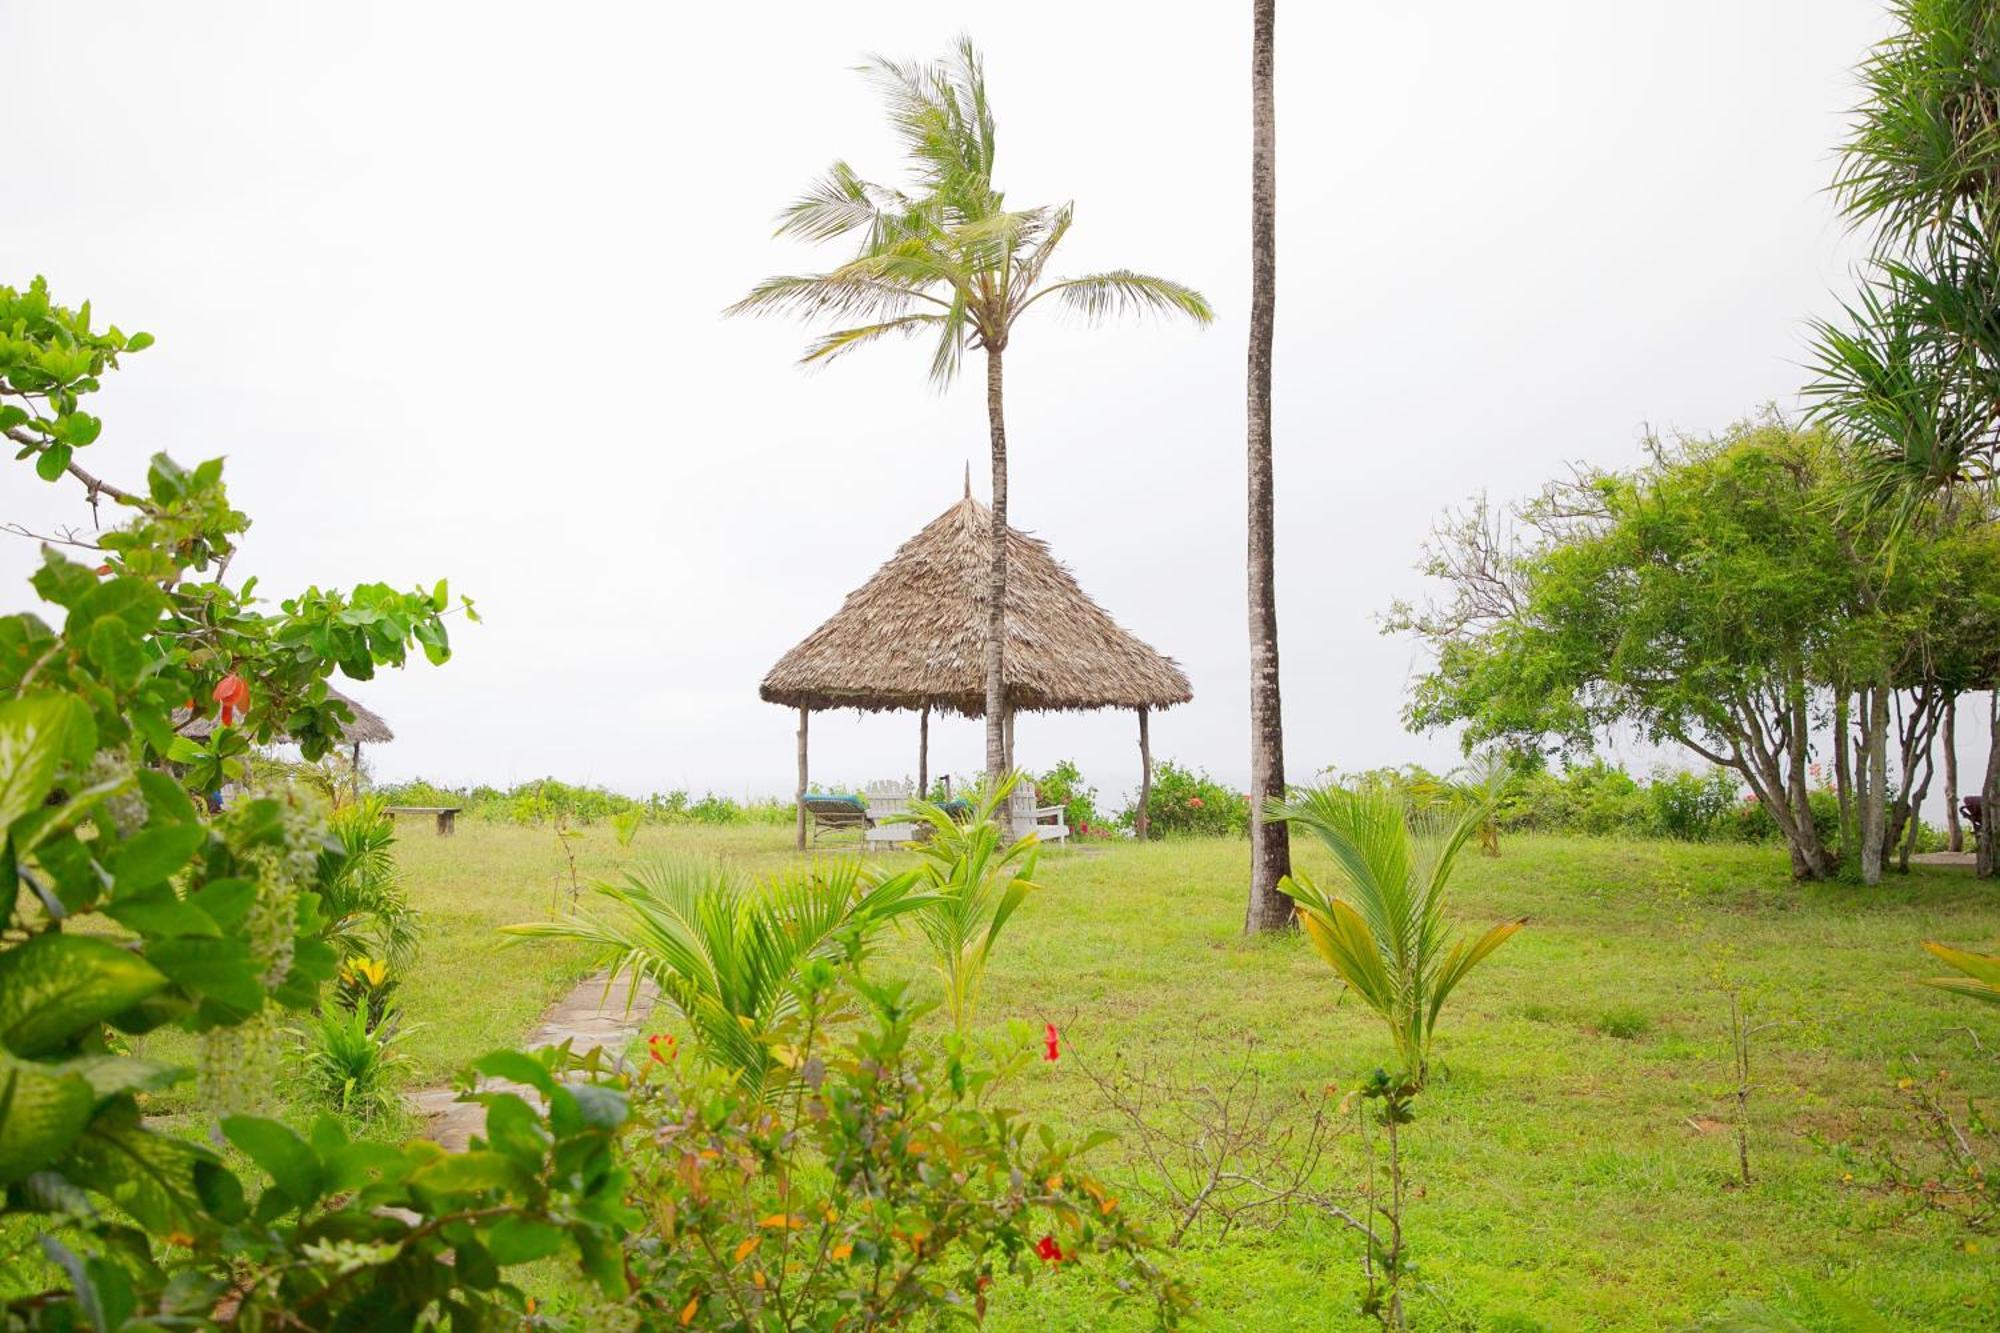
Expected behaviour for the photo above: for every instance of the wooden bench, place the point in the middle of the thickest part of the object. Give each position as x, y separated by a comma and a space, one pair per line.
446, 815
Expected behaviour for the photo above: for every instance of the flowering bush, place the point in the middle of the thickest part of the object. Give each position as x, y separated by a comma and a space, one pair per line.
884, 1188
1187, 802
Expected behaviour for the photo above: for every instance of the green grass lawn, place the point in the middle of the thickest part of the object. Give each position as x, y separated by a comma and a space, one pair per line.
1575, 1157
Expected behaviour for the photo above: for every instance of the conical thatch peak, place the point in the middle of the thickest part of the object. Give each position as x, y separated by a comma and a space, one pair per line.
914, 635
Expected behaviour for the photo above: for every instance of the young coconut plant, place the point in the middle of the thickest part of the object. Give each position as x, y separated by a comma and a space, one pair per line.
732, 957
974, 879
1386, 935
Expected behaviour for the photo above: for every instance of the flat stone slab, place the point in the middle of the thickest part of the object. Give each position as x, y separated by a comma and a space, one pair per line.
1965, 859
587, 1018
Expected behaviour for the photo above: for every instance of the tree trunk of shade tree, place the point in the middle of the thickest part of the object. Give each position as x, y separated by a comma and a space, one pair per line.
1141, 823
1843, 770
1270, 844
996, 579
1989, 791
1954, 832
1873, 796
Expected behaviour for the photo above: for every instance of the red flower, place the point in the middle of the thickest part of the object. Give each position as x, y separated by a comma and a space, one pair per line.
660, 1042
1051, 1044
1194, 802
233, 693
1049, 1250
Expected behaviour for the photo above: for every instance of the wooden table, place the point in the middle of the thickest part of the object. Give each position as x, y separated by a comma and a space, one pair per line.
446, 814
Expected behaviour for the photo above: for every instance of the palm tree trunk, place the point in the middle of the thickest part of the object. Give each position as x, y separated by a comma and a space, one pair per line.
1954, 833
1843, 771
996, 580
1270, 844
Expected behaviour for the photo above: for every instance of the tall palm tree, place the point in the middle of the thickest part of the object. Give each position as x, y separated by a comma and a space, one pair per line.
948, 259
1270, 842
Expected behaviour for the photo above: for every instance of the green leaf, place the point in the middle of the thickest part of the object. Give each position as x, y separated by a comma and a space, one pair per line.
35, 734
521, 1240
288, 1159
161, 914
219, 969
115, 651
53, 461
474, 1172
115, 1075
151, 1176
42, 1113
516, 1067
56, 985
151, 856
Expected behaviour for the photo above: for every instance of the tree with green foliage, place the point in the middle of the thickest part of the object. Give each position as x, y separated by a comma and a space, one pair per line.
1911, 368
1721, 598
948, 260
217, 929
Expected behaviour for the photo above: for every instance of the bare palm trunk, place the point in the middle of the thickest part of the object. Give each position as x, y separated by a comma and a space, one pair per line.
1270, 844
996, 580
1843, 772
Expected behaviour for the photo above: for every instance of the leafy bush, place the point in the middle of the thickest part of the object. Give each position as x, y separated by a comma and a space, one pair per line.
1692, 807
1063, 786
350, 1062
366, 912
1188, 802
889, 1192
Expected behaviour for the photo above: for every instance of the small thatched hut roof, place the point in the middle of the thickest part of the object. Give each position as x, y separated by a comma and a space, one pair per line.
914, 635
367, 728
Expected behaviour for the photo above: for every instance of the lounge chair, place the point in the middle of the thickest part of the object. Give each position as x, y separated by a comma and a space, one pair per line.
832, 814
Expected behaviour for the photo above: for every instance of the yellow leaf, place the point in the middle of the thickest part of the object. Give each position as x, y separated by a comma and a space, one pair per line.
1055, 1182
687, 1311
840, 1251
780, 1221
743, 1250
1107, 1206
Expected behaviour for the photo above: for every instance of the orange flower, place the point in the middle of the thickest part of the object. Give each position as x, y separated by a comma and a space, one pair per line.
233, 693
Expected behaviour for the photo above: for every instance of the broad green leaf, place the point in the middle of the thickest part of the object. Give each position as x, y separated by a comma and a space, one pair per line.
114, 1075
472, 1172
114, 650
56, 985
42, 1113
516, 1067
151, 856
219, 969
520, 1240
161, 914
288, 1159
151, 1176
35, 734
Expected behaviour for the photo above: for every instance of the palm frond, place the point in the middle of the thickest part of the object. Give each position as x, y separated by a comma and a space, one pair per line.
1100, 296
839, 343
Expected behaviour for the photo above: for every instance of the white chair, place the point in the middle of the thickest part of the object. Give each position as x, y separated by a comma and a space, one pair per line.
1025, 817
887, 801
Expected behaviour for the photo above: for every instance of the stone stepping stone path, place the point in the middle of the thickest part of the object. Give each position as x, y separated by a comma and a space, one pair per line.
588, 1016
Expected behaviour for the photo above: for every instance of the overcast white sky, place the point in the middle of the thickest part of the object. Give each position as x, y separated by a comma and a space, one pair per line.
444, 283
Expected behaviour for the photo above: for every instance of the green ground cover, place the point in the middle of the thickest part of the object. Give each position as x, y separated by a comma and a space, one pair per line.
1576, 1158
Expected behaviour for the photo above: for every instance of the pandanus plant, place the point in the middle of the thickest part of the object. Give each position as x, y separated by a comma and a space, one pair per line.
973, 880
1384, 929
733, 958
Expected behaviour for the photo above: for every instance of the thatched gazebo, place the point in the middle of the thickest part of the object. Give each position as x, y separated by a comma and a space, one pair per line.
914, 637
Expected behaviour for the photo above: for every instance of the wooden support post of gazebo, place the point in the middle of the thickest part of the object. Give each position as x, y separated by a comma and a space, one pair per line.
924, 753
804, 713
1140, 823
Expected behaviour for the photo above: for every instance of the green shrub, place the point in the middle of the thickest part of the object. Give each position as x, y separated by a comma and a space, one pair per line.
351, 1067
1063, 786
1692, 807
1188, 802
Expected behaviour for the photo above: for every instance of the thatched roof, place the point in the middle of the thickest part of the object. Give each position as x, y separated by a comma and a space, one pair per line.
368, 728
915, 634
